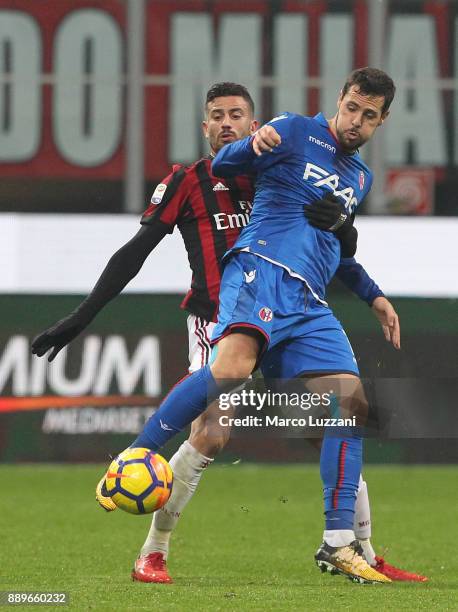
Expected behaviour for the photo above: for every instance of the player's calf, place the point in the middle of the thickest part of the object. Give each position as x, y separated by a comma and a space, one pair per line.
208, 436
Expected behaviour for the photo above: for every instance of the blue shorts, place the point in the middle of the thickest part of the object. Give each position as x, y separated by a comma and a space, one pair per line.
302, 335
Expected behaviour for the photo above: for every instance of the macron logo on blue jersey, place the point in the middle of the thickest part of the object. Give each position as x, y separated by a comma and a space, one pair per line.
323, 144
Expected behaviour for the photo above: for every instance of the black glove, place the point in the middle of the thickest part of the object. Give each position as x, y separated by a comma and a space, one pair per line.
58, 336
328, 214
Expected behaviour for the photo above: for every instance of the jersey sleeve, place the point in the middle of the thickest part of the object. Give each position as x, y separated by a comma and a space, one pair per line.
354, 276
240, 158
168, 200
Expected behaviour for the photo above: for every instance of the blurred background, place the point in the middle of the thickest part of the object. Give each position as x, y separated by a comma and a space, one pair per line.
99, 98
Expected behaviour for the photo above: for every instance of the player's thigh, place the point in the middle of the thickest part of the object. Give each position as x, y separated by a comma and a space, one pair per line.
324, 359
315, 347
235, 356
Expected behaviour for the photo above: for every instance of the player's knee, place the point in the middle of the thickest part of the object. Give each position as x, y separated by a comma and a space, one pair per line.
359, 407
361, 411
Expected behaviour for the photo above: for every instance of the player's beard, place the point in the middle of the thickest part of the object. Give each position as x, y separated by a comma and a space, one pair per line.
349, 145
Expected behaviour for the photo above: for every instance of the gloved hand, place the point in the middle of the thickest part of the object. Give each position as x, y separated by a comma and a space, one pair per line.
328, 214
58, 336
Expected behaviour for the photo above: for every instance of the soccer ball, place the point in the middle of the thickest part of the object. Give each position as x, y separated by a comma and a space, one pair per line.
139, 481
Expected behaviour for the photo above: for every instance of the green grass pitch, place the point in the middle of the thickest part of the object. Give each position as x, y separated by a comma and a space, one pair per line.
245, 542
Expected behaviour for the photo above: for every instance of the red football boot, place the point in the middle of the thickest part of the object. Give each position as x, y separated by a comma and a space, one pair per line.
395, 573
151, 568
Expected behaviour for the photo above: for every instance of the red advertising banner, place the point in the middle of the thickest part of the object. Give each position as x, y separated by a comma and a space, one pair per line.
63, 76
64, 63
411, 190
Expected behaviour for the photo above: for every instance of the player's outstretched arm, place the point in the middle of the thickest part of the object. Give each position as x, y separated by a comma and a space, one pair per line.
121, 268
234, 159
266, 147
354, 276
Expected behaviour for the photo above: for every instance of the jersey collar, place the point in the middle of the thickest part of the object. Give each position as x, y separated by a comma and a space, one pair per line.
321, 120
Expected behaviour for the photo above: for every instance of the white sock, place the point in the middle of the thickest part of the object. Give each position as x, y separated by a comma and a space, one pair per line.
362, 525
338, 537
369, 552
188, 466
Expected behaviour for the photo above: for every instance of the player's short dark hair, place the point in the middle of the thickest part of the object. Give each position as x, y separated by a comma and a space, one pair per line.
372, 82
226, 88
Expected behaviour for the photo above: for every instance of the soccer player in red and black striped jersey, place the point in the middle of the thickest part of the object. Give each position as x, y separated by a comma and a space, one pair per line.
210, 214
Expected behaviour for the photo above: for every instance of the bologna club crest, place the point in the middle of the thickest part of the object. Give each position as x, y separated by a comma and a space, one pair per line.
265, 314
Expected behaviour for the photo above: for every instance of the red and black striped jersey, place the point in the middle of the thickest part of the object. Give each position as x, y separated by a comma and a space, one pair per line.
210, 213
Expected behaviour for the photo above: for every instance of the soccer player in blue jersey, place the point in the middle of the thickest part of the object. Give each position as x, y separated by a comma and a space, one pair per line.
280, 258
272, 299
313, 161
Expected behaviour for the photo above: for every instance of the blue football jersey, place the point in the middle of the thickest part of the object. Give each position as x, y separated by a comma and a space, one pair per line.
308, 162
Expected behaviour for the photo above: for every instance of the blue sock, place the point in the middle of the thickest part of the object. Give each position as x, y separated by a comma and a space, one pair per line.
187, 399
340, 467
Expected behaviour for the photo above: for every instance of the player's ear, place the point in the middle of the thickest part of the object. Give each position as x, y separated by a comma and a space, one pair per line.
205, 128
254, 125
383, 117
